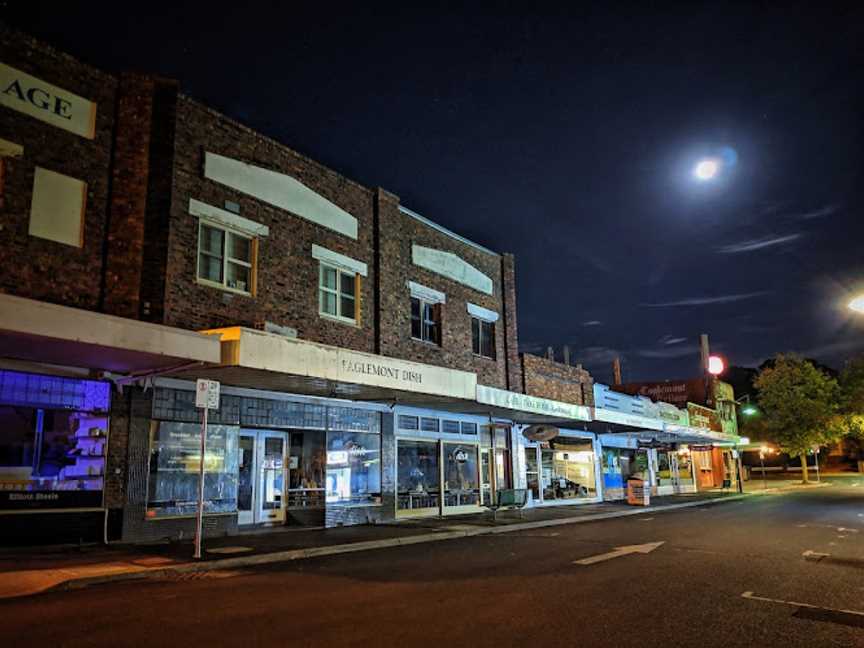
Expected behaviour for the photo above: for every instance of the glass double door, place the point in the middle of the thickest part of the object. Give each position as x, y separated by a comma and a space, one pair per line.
261, 490
437, 477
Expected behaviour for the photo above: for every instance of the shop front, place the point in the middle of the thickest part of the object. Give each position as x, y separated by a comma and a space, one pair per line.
272, 459
448, 463
62, 466
563, 470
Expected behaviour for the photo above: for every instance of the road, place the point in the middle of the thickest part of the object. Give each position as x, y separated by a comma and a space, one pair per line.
518, 589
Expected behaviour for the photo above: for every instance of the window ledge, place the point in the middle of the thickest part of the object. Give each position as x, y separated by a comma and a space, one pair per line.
333, 318
222, 287
426, 343
482, 357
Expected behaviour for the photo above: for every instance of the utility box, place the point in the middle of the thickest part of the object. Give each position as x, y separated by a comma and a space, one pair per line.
637, 493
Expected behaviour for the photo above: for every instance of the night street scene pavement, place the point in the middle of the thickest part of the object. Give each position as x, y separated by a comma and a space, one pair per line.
736, 574
364, 324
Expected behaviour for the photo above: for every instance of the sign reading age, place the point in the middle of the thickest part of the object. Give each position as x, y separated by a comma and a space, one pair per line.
56, 106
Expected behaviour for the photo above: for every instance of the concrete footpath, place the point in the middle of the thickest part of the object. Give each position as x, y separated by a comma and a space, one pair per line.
30, 571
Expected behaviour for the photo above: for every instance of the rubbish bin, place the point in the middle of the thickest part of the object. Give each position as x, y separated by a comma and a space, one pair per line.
637, 493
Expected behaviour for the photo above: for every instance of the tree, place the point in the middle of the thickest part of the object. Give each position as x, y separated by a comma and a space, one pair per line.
800, 405
849, 419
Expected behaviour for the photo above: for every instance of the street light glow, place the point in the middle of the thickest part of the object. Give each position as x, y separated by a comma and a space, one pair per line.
857, 304
748, 410
716, 365
706, 169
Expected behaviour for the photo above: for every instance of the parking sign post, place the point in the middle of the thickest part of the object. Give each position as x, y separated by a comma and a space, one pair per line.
206, 398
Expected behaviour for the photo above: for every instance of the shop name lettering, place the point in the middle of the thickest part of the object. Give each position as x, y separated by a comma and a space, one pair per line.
40, 98
30, 497
383, 371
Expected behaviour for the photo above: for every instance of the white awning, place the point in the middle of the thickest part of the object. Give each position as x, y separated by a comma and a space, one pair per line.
35, 331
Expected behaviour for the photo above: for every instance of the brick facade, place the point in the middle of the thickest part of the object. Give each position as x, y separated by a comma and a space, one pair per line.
397, 232
549, 379
35, 267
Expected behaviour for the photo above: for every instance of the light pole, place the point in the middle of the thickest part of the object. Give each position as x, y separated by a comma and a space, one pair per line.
764, 450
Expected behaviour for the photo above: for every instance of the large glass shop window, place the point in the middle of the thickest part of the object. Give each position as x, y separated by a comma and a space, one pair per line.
353, 468
51, 458
175, 461
418, 475
568, 470
461, 475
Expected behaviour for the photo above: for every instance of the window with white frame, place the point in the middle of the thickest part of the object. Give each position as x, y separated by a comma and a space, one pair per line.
225, 257
337, 293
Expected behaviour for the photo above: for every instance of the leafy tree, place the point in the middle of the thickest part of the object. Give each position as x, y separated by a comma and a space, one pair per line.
800, 405
849, 419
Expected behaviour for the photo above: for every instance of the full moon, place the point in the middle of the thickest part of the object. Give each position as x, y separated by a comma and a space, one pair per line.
706, 169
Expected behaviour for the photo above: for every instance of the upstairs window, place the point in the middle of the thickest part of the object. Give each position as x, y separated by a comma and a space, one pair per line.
225, 258
337, 293
483, 338
425, 321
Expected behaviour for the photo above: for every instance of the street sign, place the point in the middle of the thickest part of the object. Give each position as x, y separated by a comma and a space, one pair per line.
207, 393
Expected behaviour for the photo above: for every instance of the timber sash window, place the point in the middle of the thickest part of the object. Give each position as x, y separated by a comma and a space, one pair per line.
425, 321
225, 258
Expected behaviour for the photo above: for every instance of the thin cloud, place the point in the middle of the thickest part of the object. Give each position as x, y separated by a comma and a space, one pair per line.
709, 301
592, 323
822, 212
832, 348
669, 352
668, 340
758, 244
595, 355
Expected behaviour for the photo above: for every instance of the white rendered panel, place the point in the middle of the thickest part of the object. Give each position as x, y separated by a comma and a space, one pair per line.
279, 190
339, 260
451, 266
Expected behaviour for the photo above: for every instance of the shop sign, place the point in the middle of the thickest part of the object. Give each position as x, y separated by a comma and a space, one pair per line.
540, 432
704, 417
677, 392
48, 103
633, 420
523, 402
723, 391
270, 352
671, 414
11, 500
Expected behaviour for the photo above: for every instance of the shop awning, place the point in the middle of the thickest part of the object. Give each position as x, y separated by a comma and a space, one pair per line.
268, 361
39, 332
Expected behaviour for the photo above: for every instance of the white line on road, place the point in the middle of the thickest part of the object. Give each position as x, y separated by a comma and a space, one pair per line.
753, 597
814, 555
645, 519
620, 551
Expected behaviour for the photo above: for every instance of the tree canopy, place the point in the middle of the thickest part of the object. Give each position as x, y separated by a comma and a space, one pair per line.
800, 405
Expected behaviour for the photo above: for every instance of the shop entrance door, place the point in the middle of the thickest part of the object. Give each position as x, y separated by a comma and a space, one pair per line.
261, 497
461, 478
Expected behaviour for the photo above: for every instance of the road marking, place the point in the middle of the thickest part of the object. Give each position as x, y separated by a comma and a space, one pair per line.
645, 519
753, 597
620, 551
814, 555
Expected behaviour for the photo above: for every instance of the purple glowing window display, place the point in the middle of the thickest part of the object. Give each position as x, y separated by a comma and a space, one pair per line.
54, 392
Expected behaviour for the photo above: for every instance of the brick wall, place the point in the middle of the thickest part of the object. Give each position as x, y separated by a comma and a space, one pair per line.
548, 379
397, 232
287, 282
35, 267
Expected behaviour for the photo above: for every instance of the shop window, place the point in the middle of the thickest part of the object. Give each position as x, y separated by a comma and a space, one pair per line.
568, 470
483, 338
409, 422
353, 468
307, 467
337, 294
429, 424
175, 461
225, 258
425, 321
664, 469
51, 458
450, 427
57, 208
468, 428
418, 478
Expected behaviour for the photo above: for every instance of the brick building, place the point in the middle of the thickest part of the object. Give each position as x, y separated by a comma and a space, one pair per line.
350, 334
368, 357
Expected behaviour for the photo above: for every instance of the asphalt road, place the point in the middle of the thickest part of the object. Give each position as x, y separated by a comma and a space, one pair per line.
519, 589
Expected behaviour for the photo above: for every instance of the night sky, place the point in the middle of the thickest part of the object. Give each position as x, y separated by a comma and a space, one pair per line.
567, 138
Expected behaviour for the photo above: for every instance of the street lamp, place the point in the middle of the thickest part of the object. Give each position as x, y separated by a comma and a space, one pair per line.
857, 304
